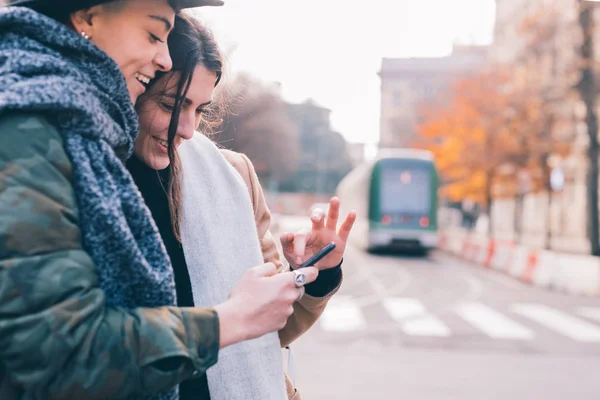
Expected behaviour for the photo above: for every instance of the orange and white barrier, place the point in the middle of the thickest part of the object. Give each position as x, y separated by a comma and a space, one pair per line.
567, 273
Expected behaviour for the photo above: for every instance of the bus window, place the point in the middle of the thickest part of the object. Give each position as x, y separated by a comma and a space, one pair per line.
405, 191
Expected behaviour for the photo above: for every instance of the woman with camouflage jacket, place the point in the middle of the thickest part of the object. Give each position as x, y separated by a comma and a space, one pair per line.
87, 300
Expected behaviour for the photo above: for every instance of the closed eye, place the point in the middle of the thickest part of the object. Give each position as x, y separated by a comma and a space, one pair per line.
155, 39
167, 107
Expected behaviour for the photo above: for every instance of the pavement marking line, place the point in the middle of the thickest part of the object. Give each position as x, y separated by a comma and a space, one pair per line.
590, 312
560, 322
342, 314
414, 318
493, 323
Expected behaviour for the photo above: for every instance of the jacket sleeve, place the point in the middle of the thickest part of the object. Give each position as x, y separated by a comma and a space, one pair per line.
58, 340
306, 311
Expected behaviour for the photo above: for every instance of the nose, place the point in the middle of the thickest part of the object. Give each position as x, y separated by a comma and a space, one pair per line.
162, 59
187, 124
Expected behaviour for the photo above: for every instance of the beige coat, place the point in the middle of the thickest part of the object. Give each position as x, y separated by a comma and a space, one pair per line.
308, 310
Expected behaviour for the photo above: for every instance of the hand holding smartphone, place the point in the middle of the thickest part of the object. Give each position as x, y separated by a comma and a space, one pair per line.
318, 256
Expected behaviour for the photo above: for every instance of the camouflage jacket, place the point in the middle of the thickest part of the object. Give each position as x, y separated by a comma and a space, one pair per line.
57, 338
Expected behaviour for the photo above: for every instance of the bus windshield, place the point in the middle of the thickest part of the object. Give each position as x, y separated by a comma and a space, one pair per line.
405, 191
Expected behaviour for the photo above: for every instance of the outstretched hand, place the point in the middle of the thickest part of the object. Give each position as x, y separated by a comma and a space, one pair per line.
299, 247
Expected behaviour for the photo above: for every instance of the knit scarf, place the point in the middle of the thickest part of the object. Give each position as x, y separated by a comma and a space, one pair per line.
220, 243
48, 70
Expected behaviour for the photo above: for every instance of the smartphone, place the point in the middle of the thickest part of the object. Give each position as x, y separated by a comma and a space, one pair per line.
318, 256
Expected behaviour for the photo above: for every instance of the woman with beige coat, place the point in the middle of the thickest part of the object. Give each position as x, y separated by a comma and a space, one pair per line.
213, 218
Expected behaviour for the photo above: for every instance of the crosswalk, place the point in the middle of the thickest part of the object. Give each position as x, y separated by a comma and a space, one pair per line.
493, 323
560, 322
346, 316
519, 322
414, 318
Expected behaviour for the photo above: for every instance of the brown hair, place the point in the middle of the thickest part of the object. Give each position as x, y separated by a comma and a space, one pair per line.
190, 45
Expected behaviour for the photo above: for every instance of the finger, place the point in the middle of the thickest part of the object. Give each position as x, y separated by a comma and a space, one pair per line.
286, 239
300, 239
301, 292
289, 278
333, 213
264, 270
312, 273
287, 245
347, 226
318, 219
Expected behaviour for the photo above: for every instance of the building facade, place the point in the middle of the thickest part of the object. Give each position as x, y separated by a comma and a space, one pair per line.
408, 84
552, 62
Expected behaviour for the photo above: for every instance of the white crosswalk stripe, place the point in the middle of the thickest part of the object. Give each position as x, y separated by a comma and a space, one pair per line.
590, 313
493, 323
563, 323
414, 318
342, 314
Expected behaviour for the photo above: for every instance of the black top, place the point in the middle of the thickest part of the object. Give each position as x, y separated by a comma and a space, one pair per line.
154, 187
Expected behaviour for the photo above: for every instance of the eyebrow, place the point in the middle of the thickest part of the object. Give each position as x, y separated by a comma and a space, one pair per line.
168, 25
187, 101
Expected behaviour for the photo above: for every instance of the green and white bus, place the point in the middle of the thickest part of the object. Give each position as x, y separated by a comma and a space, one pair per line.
395, 196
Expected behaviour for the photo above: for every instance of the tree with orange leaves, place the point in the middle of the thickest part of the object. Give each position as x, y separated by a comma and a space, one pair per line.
503, 123
469, 136
490, 132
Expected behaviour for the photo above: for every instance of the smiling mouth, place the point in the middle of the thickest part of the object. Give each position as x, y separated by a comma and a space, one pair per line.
161, 141
143, 79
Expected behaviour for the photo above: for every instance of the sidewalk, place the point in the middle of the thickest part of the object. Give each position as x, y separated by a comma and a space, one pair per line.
576, 274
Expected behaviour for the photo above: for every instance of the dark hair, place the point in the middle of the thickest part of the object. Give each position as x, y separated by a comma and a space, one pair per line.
190, 44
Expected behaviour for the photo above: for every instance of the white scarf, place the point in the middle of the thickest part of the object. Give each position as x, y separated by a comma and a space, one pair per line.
220, 243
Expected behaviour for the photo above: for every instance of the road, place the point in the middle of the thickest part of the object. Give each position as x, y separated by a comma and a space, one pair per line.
405, 327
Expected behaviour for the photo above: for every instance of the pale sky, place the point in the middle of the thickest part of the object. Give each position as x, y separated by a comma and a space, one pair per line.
331, 50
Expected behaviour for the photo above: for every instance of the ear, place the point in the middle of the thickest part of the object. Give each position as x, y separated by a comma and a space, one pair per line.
83, 20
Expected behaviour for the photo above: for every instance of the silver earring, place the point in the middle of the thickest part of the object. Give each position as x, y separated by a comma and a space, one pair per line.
85, 35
